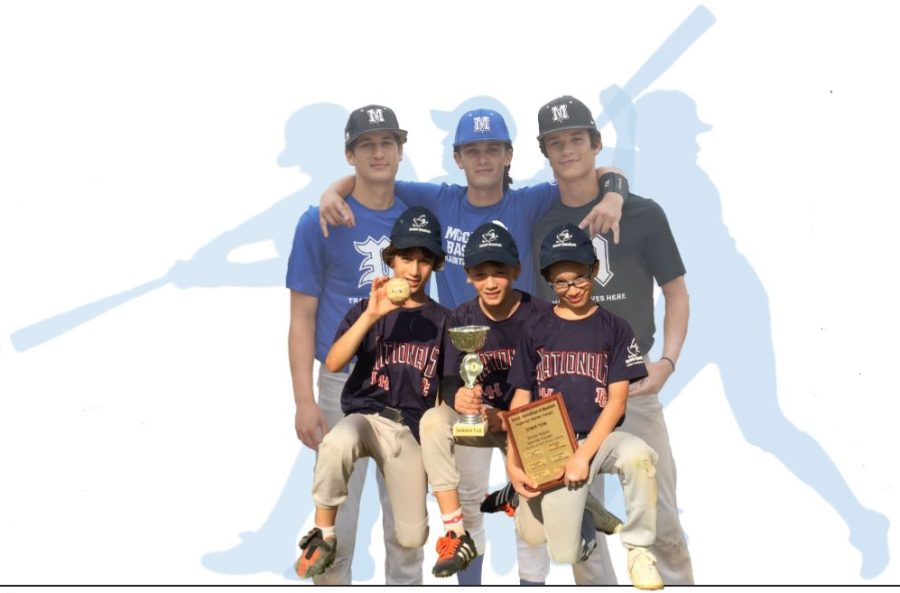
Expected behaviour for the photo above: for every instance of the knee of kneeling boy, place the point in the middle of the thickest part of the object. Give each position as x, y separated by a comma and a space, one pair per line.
637, 454
411, 537
431, 423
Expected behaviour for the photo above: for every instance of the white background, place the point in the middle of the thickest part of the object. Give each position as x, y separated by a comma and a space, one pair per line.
133, 133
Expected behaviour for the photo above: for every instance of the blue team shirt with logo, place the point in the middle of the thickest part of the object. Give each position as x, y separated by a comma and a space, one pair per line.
499, 347
339, 270
398, 363
578, 358
519, 210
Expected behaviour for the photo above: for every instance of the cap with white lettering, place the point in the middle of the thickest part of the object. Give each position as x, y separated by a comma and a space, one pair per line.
481, 125
567, 242
417, 227
491, 242
564, 113
371, 118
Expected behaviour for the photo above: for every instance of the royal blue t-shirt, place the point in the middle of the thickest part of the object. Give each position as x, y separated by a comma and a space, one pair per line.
518, 210
578, 358
499, 348
339, 270
398, 363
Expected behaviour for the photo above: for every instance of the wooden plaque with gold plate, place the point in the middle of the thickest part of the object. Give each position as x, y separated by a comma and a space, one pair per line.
542, 439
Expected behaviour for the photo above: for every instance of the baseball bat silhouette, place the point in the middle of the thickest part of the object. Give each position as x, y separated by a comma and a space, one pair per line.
690, 29
40, 332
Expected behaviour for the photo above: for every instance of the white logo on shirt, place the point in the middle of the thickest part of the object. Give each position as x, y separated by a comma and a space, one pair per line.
601, 248
634, 354
371, 266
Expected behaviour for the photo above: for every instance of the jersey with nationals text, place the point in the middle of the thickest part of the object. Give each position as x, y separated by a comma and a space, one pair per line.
518, 210
398, 363
339, 270
499, 348
578, 358
624, 284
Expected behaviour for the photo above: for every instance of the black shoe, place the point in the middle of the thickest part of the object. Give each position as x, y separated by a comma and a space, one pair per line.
506, 499
454, 554
603, 520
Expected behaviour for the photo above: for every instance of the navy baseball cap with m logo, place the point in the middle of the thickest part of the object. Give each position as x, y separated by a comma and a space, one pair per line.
372, 118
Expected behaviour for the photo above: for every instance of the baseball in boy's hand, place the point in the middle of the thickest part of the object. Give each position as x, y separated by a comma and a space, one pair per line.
397, 290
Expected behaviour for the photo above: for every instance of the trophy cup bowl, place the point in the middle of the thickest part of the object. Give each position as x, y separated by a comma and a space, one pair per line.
469, 339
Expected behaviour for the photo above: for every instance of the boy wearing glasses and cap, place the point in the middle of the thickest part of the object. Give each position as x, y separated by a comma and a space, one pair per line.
624, 286
397, 341
590, 356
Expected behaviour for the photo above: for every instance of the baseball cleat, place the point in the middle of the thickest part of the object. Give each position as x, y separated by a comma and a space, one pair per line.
316, 554
505, 500
642, 570
454, 554
603, 520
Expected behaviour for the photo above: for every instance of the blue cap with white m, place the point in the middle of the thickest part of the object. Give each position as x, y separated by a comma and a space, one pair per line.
481, 125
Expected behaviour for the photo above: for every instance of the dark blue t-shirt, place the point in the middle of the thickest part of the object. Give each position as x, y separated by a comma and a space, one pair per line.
578, 358
398, 363
499, 347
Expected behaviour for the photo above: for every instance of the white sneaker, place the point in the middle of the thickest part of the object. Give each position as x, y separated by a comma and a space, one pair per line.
642, 570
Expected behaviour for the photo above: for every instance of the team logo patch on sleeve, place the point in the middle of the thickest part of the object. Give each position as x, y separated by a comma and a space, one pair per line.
634, 354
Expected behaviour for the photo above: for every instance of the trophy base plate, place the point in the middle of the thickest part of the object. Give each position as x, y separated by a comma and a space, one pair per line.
469, 430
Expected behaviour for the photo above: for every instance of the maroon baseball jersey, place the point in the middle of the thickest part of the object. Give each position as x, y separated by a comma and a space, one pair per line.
499, 347
578, 358
398, 363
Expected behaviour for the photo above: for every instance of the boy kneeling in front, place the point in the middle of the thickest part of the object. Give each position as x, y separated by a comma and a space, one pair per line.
395, 380
590, 356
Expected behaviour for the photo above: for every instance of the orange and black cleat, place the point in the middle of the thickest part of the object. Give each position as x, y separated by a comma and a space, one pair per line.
316, 554
454, 554
505, 500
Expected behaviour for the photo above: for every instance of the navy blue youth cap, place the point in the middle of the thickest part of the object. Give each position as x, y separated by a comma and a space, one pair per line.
481, 125
417, 227
371, 118
566, 242
491, 242
564, 113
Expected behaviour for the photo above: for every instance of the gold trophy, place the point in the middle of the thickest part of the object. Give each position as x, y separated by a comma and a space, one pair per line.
469, 339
